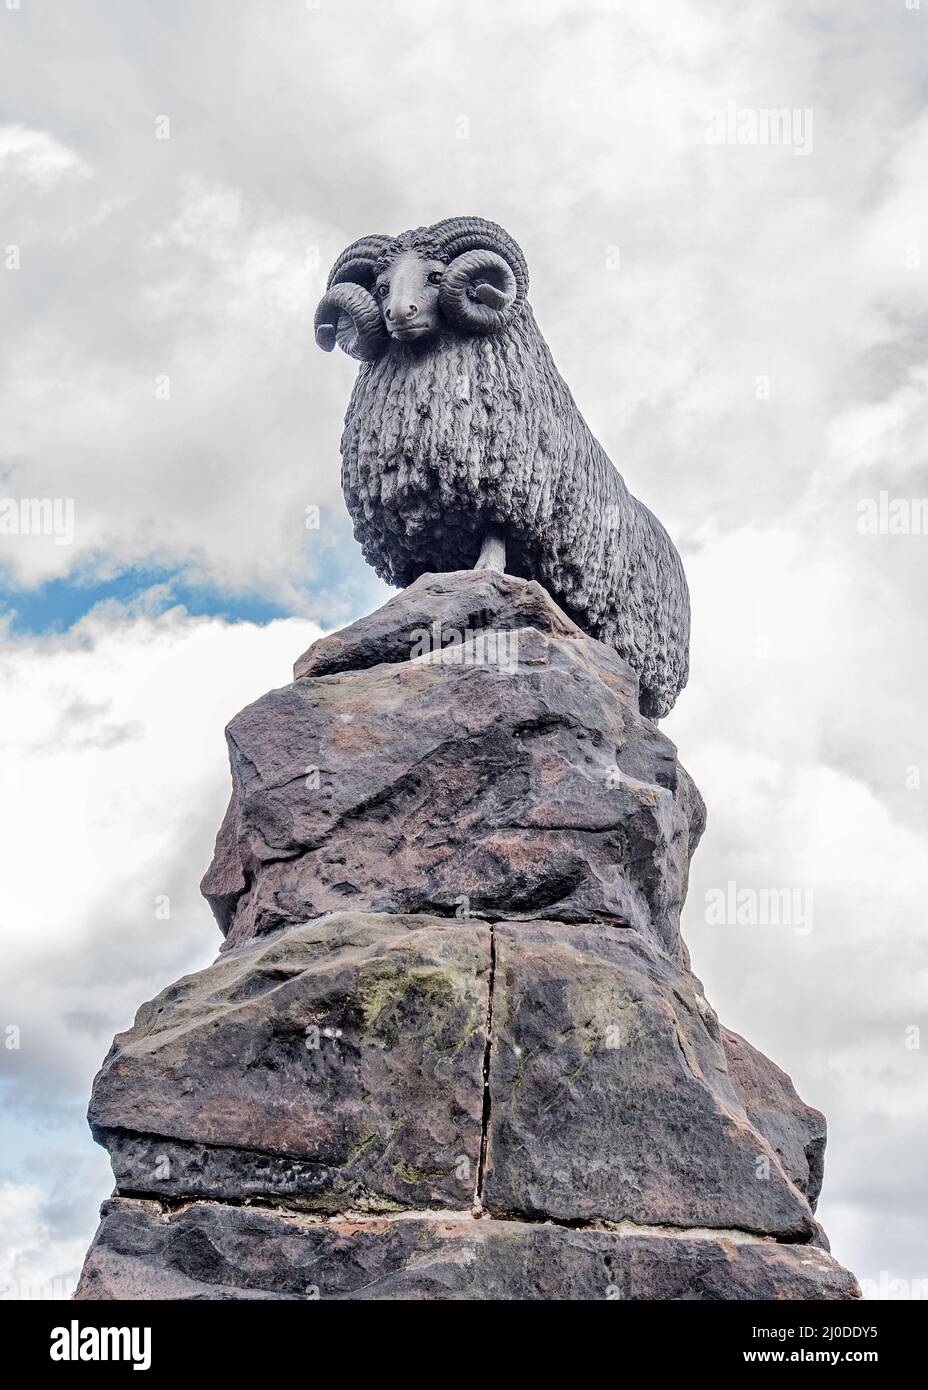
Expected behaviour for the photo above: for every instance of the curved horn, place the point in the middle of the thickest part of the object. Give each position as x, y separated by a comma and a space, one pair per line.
478, 292
349, 315
459, 234
357, 263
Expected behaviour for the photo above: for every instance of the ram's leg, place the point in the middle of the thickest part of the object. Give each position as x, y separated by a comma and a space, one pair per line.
493, 551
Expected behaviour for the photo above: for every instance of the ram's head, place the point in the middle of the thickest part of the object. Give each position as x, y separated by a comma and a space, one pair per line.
465, 274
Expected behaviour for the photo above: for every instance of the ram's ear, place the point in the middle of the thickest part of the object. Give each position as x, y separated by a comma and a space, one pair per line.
350, 316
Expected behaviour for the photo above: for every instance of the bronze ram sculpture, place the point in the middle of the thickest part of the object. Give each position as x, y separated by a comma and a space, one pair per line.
463, 445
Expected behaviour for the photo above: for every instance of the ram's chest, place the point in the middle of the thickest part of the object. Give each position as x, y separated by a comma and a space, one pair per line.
429, 425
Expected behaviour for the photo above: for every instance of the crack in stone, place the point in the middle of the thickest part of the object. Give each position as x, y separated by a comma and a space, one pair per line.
176, 1206
487, 1099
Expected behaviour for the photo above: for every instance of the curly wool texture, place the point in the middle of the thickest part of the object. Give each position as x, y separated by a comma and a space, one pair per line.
476, 432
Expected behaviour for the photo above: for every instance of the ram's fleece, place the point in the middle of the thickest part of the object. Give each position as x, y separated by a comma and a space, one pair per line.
460, 427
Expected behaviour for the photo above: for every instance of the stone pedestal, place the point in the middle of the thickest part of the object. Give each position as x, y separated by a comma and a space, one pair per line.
452, 1047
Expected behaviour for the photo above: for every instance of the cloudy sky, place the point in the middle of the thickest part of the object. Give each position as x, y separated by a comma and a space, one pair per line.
742, 324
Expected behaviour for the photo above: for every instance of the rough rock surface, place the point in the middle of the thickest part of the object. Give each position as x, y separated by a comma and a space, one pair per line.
453, 987
337, 1064
796, 1131
522, 785
208, 1251
611, 1098
340, 1066
453, 604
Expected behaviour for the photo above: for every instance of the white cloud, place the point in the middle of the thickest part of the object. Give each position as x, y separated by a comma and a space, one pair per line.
38, 157
800, 733
34, 1263
193, 258
116, 779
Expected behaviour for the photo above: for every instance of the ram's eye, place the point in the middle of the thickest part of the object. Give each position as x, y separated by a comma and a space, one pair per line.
382, 291
435, 277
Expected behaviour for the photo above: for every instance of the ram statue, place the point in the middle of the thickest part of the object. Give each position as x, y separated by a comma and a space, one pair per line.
463, 446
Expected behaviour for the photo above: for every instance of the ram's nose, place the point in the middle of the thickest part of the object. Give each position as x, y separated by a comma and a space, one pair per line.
399, 314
